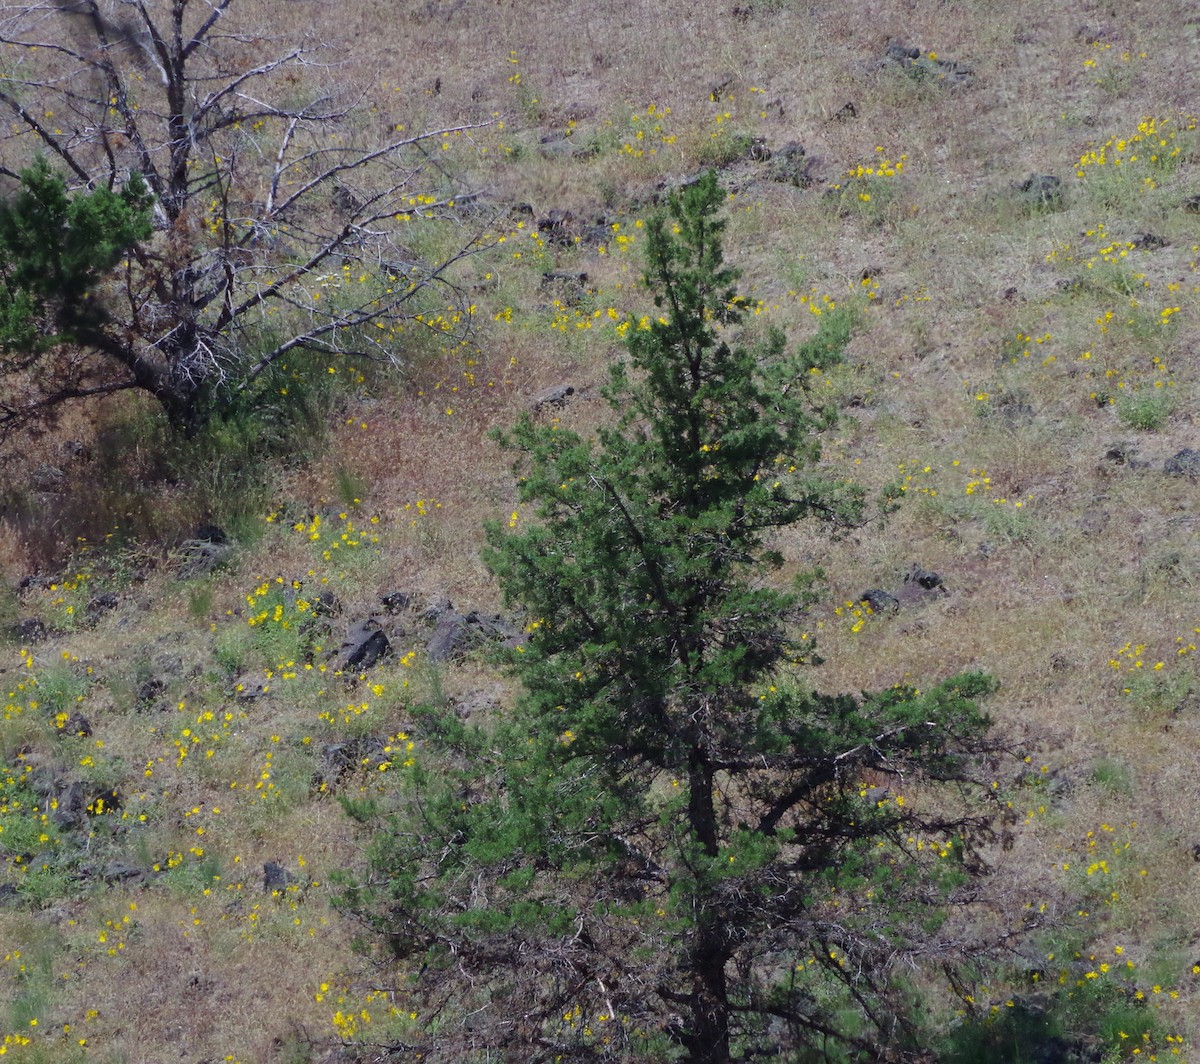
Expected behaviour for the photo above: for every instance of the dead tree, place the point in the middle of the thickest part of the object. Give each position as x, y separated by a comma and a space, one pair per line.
279, 216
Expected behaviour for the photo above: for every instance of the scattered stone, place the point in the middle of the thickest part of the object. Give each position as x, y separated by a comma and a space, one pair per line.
117, 872
436, 609
557, 227
569, 288
456, 635
902, 54
326, 604
758, 150
1121, 453
212, 533
1042, 191
791, 165
1185, 463
365, 644
553, 397
396, 601
48, 478
339, 760
922, 67
28, 630
924, 578
79, 800
560, 146
78, 725
98, 606
720, 87
846, 113
880, 601
149, 690
200, 557
276, 877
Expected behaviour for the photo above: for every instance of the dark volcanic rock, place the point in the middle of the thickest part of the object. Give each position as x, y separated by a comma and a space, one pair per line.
880, 601
924, 578
1185, 463
456, 635
365, 644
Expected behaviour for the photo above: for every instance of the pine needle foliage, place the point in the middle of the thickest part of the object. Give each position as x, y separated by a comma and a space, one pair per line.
672, 849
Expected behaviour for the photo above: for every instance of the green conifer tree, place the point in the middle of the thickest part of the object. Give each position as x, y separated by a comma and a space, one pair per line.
56, 250
672, 849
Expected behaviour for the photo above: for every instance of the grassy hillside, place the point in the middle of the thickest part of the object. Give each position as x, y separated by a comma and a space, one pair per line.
1025, 371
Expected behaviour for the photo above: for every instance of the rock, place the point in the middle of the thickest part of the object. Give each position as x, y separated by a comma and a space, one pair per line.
758, 150
1148, 242
326, 604
1185, 463
117, 872
98, 606
339, 760
149, 690
28, 630
880, 601
553, 397
1012, 409
48, 478
365, 644
450, 638
436, 610
922, 67
557, 227
924, 578
902, 54
78, 725
211, 533
199, 557
1041, 191
845, 113
569, 288
245, 690
276, 877
477, 702
396, 601
457, 635
720, 86
1192, 204
1121, 453
80, 800
791, 165
560, 146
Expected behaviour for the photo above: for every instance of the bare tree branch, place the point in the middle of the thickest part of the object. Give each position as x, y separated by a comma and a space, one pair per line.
249, 183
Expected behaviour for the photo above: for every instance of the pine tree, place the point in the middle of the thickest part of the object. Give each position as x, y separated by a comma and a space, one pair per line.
672, 849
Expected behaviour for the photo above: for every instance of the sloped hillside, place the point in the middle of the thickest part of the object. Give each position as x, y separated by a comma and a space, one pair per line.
211, 662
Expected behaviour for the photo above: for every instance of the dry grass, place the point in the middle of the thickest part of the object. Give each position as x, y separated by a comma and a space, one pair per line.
1099, 555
